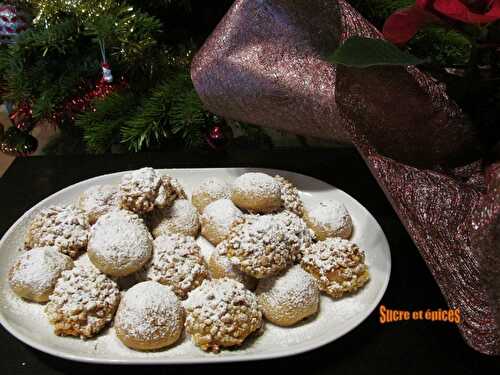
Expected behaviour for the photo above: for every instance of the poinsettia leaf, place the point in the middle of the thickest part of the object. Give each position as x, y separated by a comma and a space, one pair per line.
361, 52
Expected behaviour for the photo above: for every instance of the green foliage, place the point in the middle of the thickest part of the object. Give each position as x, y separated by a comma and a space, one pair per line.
361, 52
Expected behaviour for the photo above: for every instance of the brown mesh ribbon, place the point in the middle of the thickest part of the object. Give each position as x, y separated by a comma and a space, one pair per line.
265, 64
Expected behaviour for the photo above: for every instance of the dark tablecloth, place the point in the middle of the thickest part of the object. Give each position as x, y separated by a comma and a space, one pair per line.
409, 347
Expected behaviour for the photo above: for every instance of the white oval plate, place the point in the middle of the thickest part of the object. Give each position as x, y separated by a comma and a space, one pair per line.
27, 322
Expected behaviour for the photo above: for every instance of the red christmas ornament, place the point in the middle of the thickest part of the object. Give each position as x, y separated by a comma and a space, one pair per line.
22, 117
219, 135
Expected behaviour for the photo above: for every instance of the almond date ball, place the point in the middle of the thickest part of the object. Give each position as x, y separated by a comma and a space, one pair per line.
221, 313
181, 217
257, 193
209, 190
120, 243
329, 219
289, 297
34, 274
218, 218
150, 316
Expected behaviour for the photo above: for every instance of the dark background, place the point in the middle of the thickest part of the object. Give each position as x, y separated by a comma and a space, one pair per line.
410, 347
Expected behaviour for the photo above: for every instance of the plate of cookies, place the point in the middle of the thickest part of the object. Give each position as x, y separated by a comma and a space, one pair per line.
164, 266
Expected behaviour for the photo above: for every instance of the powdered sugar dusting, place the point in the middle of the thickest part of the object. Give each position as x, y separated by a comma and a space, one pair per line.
38, 270
99, 200
83, 302
257, 246
338, 257
180, 218
176, 262
120, 238
149, 311
258, 184
222, 214
290, 196
330, 214
215, 187
293, 289
65, 227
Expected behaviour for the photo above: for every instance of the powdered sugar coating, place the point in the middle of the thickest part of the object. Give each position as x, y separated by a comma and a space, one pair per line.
34, 274
99, 200
150, 316
181, 217
120, 243
144, 189
290, 196
210, 190
298, 235
176, 262
220, 266
257, 246
83, 302
257, 193
329, 219
337, 265
221, 313
65, 227
289, 297
217, 219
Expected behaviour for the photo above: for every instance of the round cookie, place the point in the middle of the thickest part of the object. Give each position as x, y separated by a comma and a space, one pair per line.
176, 262
83, 302
99, 200
329, 219
210, 190
338, 265
217, 219
288, 298
298, 235
290, 196
256, 193
150, 316
221, 313
258, 246
220, 266
119, 243
181, 217
65, 227
34, 274
145, 189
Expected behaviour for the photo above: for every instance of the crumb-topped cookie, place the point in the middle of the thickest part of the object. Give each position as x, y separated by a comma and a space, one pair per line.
221, 313
150, 316
258, 246
64, 227
99, 200
256, 193
145, 189
289, 297
338, 266
209, 190
220, 266
298, 235
120, 243
290, 196
34, 274
176, 262
84, 301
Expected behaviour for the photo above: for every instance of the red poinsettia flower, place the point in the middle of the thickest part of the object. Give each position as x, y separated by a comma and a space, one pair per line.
402, 25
